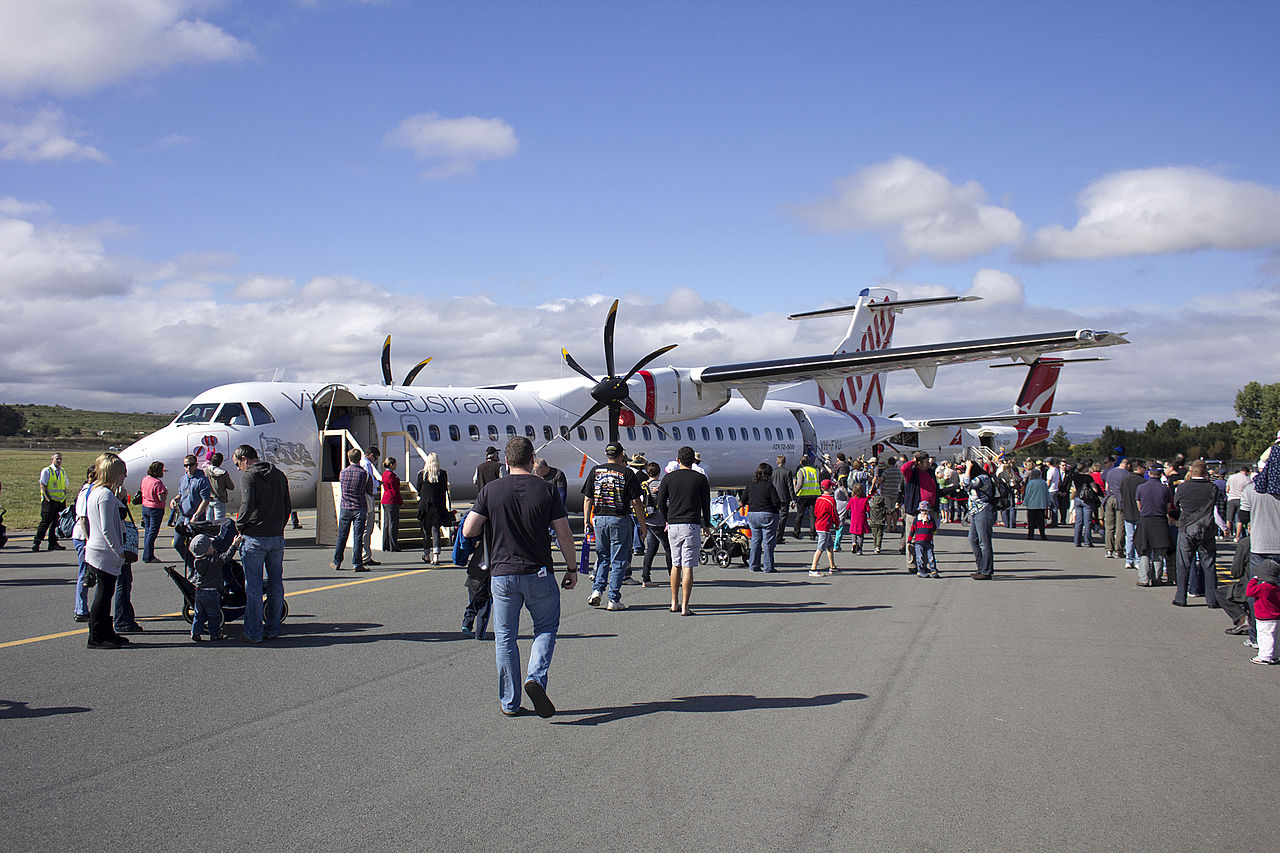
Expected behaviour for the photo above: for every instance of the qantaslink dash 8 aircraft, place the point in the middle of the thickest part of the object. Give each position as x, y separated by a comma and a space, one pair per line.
735, 415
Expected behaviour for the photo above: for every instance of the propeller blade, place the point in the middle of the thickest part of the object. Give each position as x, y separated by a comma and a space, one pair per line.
608, 338
386, 361
568, 359
582, 420
648, 358
413, 374
630, 404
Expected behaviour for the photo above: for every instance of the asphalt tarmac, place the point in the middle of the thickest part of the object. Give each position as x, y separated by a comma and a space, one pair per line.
1055, 707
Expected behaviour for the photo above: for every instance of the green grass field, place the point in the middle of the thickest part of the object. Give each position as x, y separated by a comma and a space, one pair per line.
20, 476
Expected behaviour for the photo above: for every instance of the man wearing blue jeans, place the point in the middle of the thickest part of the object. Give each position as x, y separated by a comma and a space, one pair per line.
982, 518
611, 493
515, 513
356, 485
264, 510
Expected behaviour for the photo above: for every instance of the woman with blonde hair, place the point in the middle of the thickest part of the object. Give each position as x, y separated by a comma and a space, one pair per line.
104, 547
433, 506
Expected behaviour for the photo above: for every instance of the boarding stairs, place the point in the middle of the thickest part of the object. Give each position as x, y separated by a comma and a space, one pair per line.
329, 493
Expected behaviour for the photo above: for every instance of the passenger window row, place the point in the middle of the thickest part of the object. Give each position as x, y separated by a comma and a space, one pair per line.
645, 433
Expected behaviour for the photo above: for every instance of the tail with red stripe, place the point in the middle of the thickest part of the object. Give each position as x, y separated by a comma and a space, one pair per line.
1036, 398
870, 329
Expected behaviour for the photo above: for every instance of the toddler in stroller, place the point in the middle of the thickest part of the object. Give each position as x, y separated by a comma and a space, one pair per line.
728, 536
222, 541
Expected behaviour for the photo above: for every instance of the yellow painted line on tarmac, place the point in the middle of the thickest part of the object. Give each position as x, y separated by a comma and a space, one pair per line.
80, 631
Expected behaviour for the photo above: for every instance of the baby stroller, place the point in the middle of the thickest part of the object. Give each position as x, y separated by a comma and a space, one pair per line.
729, 536
233, 594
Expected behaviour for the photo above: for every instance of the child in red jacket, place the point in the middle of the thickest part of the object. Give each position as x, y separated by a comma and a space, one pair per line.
1264, 589
923, 526
825, 520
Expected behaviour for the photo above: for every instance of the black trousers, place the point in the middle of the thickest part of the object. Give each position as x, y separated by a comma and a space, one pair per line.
652, 539
1035, 521
49, 512
804, 506
100, 628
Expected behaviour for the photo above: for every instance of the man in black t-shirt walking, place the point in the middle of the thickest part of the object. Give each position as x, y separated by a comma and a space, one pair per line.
514, 513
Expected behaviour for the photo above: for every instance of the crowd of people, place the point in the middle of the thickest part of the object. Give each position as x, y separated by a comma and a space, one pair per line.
1162, 518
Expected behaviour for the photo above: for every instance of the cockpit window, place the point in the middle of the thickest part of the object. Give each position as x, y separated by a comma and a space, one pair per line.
197, 413
260, 414
229, 413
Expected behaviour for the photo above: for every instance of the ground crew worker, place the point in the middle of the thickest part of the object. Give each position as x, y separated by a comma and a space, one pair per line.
53, 500
808, 488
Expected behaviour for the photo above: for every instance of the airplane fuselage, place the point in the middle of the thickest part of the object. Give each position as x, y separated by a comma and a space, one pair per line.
283, 422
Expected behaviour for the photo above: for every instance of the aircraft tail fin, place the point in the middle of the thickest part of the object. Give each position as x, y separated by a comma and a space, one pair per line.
870, 330
1036, 399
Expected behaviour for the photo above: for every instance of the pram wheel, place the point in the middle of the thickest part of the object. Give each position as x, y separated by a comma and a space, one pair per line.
723, 558
188, 612
704, 557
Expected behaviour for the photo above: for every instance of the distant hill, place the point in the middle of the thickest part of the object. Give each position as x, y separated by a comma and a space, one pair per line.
59, 425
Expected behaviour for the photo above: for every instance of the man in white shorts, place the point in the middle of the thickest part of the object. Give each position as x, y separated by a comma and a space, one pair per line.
684, 500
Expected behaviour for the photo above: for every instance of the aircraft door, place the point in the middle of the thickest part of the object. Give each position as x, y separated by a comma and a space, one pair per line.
808, 434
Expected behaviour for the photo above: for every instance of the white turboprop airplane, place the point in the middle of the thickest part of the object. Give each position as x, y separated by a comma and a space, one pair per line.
824, 403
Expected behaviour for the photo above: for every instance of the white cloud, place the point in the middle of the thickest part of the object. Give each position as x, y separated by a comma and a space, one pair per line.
55, 261
263, 288
924, 214
1155, 211
453, 146
78, 46
44, 138
995, 286
10, 206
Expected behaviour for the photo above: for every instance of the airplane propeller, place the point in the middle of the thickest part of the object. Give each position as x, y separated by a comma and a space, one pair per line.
386, 365
611, 391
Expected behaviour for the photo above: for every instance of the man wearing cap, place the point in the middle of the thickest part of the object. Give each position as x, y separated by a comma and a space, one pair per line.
488, 470
611, 494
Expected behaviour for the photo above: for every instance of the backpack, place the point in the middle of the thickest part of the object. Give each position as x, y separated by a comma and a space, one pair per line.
1001, 496
66, 522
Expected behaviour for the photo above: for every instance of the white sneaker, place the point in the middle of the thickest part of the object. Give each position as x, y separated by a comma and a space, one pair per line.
813, 573
615, 605
594, 599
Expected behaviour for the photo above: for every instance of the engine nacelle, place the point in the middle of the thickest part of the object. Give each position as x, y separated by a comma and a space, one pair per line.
669, 394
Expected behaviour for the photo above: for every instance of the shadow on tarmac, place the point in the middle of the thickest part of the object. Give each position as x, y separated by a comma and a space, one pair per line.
745, 609
37, 581
712, 703
10, 710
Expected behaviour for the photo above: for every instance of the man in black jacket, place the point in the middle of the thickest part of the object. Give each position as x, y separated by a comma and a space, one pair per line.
263, 513
1196, 499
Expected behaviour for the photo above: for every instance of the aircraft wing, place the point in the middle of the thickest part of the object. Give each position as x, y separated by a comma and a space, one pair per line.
1004, 418
925, 360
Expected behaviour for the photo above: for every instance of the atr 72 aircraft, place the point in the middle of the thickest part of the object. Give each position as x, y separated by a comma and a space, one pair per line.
824, 403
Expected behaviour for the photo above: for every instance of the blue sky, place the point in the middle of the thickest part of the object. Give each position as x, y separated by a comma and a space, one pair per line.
223, 188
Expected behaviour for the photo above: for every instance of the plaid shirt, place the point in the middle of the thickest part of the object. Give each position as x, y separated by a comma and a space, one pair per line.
356, 483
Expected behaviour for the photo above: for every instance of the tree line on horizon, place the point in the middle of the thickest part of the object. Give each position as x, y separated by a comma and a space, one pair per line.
1257, 406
